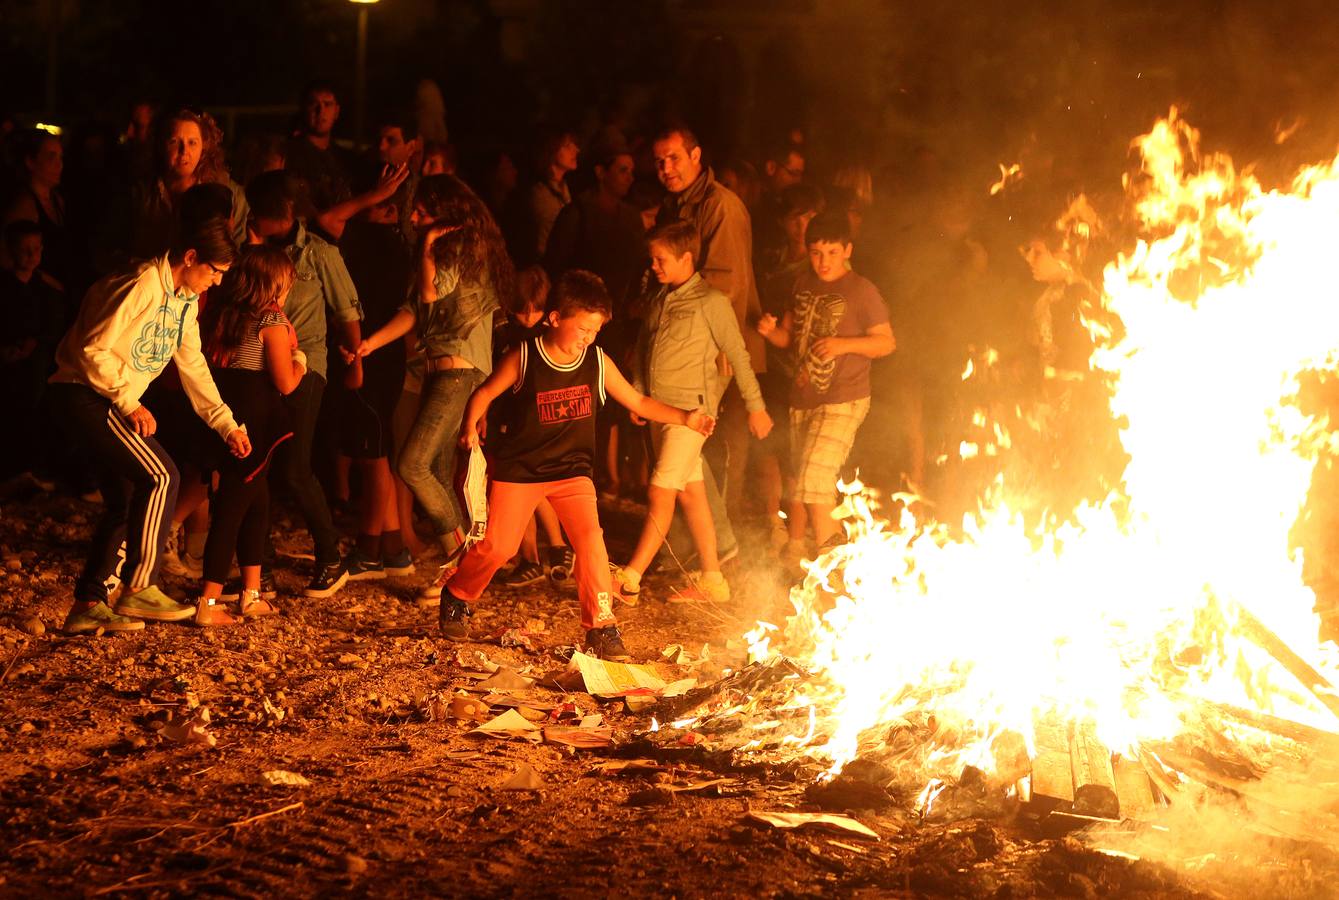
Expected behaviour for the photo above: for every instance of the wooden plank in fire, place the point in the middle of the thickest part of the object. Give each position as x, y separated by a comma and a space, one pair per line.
1090, 766
1052, 772
1134, 792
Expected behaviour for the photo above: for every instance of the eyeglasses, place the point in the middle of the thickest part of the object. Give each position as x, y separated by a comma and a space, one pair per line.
216, 270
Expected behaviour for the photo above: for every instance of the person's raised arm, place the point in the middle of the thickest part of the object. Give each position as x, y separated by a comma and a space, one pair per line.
284, 363
336, 217
427, 265
505, 376
616, 386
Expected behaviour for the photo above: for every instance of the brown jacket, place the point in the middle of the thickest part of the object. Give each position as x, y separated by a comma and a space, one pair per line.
727, 250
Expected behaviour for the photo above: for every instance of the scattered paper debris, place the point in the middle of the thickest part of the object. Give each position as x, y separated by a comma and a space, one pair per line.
581, 738
679, 688
188, 729
510, 724
824, 821
281, 778
621, 766
511, 700
694, 787
504, 679
524, 778
639, 702
611, 679
475, 661
465, 707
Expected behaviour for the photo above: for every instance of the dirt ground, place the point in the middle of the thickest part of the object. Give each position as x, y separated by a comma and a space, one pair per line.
348, 693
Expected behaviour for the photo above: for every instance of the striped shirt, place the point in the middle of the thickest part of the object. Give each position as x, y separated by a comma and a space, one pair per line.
250, 353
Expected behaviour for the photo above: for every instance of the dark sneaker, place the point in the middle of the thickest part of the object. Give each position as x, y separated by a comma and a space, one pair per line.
151, 603
451, 616
232, 590
329, 579
607, 643
523, 573
399, 564
90, 618
561, 560
361, 568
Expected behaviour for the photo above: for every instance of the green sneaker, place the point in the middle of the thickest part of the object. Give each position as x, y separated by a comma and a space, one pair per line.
90, 618
151, 603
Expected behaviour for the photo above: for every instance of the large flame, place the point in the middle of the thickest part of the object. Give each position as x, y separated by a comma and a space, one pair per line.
1130, 611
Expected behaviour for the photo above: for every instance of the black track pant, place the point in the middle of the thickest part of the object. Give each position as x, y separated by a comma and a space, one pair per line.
138, 481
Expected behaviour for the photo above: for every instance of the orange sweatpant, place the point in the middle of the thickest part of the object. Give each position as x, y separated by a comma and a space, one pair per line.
510, 506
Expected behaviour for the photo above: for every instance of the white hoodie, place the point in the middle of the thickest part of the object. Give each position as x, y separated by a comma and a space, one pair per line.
130, 324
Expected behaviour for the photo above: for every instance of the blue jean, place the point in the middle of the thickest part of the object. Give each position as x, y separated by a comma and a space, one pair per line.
428, 460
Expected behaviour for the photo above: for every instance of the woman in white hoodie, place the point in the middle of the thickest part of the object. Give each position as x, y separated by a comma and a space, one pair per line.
130, 324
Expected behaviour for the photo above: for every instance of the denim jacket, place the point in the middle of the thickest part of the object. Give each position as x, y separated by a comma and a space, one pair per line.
684, 332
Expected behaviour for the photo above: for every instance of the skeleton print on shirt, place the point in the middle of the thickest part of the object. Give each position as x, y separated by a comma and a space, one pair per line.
816, 316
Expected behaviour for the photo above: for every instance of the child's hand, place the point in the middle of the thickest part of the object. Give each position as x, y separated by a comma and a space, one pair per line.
472, 436
766, 325
827, 348
700, 422
760, 424
238, 443
636, 419
353, 376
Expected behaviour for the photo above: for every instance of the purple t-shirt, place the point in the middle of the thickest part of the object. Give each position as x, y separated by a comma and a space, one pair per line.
847, 307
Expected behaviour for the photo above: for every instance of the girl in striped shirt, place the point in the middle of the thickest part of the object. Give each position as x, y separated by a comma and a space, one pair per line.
254, 356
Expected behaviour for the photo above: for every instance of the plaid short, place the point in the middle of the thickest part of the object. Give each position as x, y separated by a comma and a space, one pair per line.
820, 440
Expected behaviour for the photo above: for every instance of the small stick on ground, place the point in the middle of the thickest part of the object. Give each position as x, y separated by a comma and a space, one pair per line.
274, 812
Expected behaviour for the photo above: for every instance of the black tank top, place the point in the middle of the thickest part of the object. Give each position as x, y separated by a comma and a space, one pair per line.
548, 433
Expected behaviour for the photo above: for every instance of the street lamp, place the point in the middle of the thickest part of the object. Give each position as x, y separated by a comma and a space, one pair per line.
360, 74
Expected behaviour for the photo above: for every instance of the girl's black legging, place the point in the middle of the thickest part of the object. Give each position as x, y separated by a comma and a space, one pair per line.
239, 521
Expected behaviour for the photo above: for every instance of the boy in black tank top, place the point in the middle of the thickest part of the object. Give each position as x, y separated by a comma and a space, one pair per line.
546, 449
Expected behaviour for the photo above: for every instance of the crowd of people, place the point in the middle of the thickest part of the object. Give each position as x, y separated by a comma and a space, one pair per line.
350, 327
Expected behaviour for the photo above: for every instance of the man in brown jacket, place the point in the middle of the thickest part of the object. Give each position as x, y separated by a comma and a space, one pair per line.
722, 221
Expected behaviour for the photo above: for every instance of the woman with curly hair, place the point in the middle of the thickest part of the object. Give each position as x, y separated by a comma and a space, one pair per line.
463, 276
253, 354
188, 151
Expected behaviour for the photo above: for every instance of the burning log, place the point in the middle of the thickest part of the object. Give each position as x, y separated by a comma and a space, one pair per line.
1052, 772
1134, 792
1094, 780
1300, 669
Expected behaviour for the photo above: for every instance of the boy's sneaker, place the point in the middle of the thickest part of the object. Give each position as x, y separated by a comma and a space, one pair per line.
709, 587
90, 618
360, 568
151, 603
232, 590
607, 644
629, 583
400, 564
329, 578
561, 562
524, 573
451, 616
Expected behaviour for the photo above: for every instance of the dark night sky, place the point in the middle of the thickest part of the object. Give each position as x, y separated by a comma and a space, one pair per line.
971, 78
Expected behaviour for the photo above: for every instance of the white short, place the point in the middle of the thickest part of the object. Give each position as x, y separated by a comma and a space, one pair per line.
678, 456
